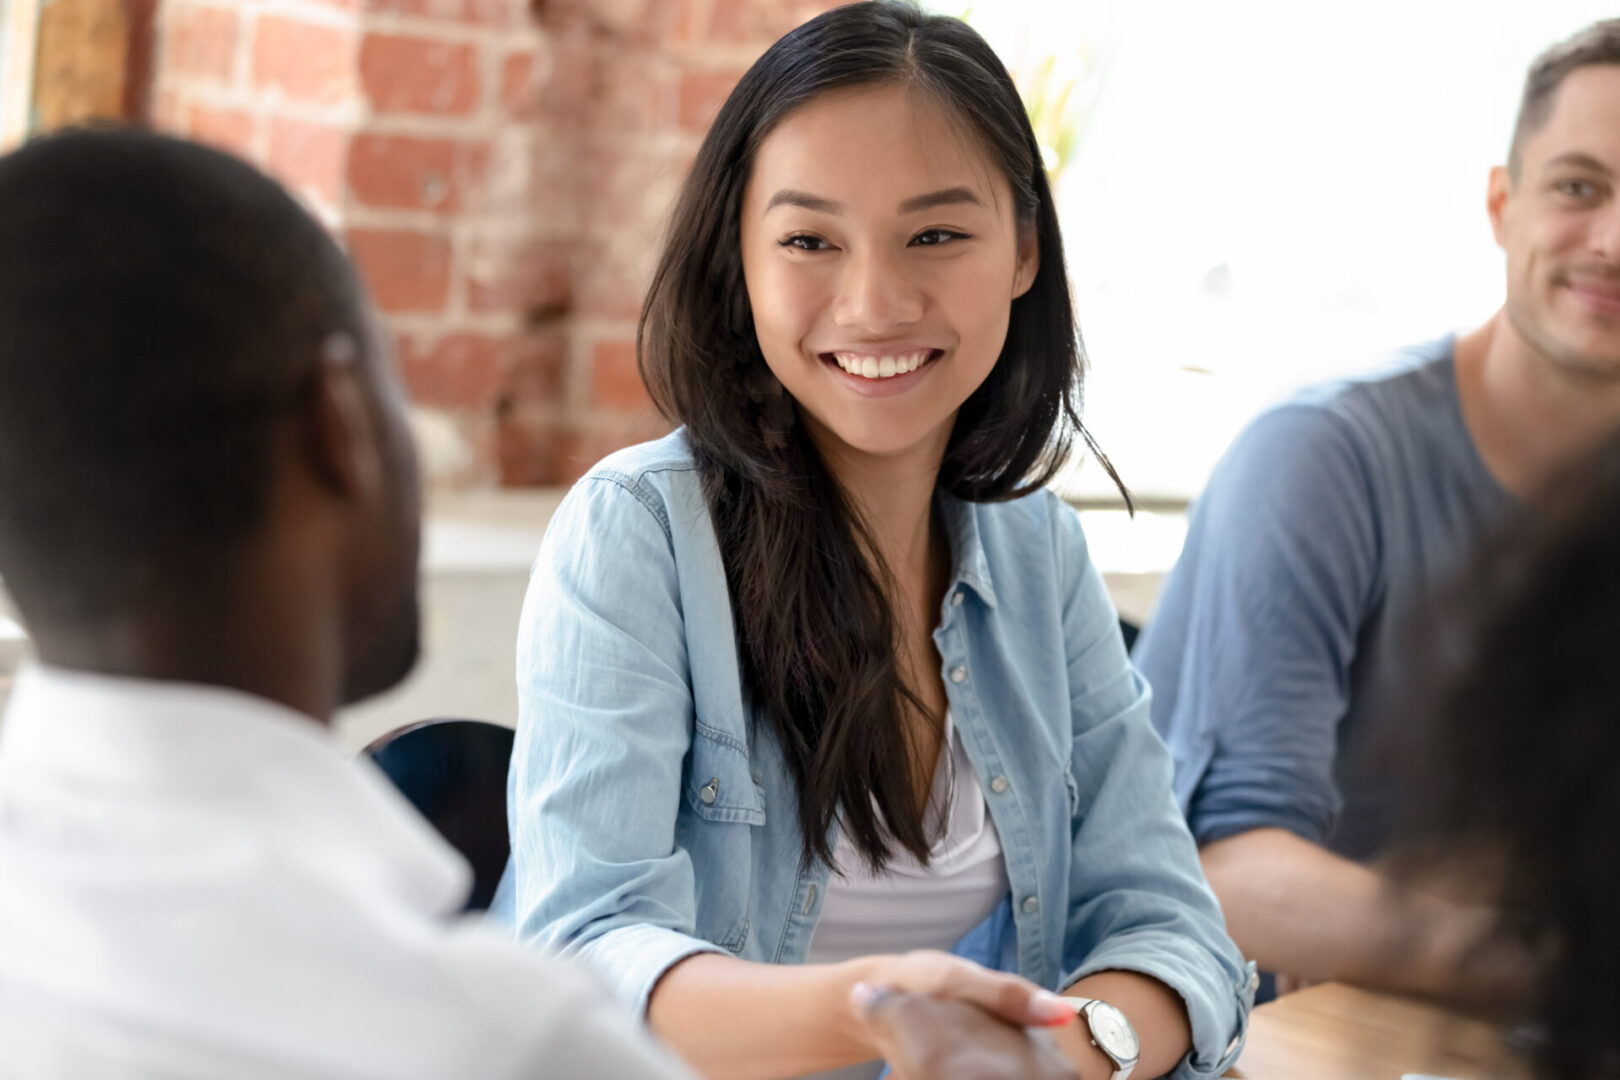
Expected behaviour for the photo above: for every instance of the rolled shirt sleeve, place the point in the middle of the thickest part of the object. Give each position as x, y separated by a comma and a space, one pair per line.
1251, 649
1138, 898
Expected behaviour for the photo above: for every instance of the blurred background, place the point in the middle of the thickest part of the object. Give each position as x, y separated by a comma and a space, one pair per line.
1255, 194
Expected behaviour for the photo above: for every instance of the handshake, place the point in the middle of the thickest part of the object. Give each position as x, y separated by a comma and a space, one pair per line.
924, 1037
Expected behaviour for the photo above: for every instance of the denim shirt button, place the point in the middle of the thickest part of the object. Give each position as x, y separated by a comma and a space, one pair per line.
999, 785
651, 500
956, 598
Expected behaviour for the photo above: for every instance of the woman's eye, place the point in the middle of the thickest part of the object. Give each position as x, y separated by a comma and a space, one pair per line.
936, 237
805, 242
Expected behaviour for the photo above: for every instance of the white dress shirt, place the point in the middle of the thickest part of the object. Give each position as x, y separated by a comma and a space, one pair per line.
195, 882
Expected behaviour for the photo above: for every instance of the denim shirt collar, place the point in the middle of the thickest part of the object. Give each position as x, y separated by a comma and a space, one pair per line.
969, 566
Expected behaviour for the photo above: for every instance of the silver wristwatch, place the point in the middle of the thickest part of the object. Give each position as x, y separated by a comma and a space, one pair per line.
1111, 1033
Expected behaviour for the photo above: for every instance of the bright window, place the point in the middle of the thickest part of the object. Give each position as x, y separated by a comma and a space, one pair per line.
18, 21
1264, 193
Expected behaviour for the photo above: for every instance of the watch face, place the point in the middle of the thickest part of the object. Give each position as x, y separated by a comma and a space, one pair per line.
1113, 1032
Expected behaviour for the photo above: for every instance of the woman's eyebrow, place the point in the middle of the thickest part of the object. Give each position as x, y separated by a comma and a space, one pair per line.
802, 199
945, 197
806, 201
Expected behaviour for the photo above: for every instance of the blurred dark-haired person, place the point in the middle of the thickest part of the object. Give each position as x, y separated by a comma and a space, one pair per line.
823, 690
209, 520
1521, 762
1278, 647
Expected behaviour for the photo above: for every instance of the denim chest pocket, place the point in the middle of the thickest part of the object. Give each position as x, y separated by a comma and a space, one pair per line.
720, 786
719, 834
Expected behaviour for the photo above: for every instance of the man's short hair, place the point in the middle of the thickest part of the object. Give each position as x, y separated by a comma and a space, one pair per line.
1597, 44
162, 305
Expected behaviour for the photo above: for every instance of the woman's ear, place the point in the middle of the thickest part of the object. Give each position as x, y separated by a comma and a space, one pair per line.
1029, 260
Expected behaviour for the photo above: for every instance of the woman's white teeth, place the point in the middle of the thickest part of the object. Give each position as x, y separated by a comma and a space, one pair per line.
881, 367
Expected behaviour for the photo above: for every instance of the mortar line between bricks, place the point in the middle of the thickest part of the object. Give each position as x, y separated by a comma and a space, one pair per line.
320, 14
431, 126
211, 95
433, 327
439, 32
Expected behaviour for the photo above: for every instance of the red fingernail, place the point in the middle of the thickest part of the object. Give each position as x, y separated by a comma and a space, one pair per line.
1051, 1010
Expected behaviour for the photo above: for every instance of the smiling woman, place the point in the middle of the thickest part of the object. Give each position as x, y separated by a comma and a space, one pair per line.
825, 684
872, 284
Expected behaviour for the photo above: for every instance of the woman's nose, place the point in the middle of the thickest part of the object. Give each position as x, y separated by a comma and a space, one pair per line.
876, 295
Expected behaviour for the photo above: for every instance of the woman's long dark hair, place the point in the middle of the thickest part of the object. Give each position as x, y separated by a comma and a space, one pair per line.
816, 632
1520, 756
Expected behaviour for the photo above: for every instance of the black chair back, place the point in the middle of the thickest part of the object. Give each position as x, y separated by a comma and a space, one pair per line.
454, 772
1128, 630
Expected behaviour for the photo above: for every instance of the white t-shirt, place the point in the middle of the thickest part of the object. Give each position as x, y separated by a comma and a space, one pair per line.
911, 906
196, 882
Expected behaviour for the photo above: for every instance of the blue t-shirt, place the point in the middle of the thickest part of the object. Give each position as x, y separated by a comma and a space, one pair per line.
1278, 649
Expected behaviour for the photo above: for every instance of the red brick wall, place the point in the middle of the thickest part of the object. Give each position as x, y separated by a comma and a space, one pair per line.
499, 169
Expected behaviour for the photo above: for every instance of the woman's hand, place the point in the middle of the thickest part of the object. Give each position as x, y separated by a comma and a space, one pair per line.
922, 1037
945, 977
737, 1019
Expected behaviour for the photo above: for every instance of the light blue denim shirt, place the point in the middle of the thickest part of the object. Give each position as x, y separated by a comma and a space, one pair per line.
651, 819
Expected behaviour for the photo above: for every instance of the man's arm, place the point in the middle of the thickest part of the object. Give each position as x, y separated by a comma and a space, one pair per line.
1251, 648
1250, 655
1298, 909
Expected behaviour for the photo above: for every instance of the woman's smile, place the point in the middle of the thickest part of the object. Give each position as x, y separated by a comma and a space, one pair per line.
881, 374
882, 365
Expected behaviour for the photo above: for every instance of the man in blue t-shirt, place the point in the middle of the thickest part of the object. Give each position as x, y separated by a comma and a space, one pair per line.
1277, 648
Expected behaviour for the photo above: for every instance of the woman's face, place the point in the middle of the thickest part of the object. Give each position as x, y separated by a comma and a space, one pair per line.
882, 254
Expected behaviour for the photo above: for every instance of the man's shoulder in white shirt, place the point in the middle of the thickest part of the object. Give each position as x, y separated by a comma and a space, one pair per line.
197, 882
